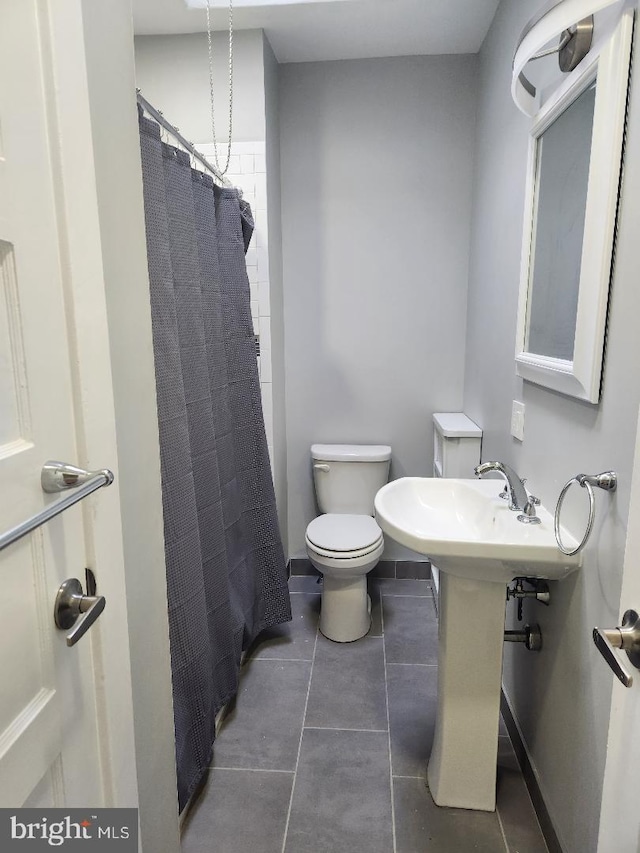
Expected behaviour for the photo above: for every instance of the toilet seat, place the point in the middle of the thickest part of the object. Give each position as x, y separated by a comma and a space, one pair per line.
342, 555
344, 548
343, 536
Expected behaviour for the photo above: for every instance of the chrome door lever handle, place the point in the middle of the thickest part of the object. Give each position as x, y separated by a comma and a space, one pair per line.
605, 646
75, 610
627, 638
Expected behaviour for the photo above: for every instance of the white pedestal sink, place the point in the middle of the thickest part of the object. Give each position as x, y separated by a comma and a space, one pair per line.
479, 546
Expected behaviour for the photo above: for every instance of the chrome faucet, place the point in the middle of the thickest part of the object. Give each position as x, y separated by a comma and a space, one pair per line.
519, 500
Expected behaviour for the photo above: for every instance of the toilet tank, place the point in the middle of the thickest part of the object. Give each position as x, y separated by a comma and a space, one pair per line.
347, 476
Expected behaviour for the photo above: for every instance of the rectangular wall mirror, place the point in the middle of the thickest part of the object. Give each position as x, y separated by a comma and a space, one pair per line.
571, 200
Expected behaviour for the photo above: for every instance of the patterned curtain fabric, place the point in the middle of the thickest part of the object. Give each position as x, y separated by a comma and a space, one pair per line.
226, 573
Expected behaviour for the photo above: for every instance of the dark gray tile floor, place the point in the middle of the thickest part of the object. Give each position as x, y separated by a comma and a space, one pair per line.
326, 747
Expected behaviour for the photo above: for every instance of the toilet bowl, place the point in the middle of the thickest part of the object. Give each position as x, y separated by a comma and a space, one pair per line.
345, 542
344, 548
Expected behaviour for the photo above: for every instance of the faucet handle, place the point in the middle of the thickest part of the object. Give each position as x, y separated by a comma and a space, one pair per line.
532, 498
528, 515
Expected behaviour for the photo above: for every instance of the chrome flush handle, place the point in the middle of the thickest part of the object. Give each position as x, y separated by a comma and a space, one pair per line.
72, 605
626, 637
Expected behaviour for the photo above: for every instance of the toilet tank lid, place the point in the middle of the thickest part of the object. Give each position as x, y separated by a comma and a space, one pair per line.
351, 452
456, 425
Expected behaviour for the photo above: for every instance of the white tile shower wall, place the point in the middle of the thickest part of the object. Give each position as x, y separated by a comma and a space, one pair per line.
247, 170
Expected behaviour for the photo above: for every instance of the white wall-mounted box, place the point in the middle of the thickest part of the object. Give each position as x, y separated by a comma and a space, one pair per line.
457, 442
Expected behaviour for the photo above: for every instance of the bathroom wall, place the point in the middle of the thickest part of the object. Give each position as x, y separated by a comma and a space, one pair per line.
118, 176
173, 74
377, 159
561, 696
276, 298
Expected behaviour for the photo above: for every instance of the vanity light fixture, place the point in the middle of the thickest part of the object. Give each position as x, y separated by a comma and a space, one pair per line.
582, 26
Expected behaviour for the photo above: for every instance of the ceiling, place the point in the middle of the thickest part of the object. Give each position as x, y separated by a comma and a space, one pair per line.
341, 29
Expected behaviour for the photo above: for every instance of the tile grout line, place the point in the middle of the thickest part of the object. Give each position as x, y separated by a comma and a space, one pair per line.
504, 837
304, 717
398, 776
343, 729
386, 696
254, 770
402, 663
280, 660
405, 595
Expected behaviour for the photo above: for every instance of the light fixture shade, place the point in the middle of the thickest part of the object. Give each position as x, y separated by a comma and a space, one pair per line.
555, 17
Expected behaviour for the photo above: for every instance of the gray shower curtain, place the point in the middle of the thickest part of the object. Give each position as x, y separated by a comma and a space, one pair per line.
226, 574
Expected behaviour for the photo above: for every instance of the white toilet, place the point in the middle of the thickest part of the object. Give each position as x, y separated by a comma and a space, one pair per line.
345, 542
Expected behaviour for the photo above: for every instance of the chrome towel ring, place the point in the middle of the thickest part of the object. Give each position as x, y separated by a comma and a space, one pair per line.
608, 481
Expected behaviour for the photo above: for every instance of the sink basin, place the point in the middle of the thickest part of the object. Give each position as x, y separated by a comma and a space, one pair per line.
468, 531
479, 546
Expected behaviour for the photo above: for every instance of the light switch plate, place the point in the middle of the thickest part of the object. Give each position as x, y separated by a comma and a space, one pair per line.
517, 420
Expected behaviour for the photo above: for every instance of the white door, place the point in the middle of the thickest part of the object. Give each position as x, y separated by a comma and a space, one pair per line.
620, 813
54, 738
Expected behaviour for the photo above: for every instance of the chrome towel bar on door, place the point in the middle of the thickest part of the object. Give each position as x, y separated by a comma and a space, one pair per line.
58, 477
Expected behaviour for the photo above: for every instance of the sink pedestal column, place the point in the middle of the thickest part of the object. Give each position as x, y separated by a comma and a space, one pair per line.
463, 762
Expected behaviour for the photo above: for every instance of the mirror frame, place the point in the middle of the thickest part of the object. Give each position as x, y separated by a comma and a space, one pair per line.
581, 377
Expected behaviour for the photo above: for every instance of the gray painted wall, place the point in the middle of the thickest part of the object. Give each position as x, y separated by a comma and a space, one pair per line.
276, 296
376, 198
561, 696
173, 73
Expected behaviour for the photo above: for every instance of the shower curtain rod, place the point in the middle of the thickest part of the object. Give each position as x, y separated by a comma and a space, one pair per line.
157, 115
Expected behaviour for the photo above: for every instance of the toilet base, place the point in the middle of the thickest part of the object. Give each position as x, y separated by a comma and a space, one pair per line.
345, 612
